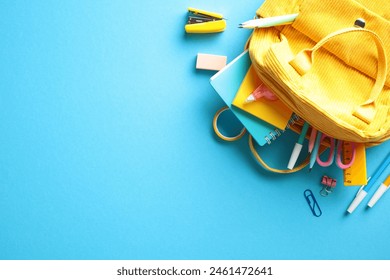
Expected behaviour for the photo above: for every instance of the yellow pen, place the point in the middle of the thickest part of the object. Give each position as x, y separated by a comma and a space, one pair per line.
379, 192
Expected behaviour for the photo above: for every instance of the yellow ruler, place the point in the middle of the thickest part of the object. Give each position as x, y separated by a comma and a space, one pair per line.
356, 175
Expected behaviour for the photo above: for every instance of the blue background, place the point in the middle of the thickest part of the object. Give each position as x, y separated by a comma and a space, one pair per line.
107, 149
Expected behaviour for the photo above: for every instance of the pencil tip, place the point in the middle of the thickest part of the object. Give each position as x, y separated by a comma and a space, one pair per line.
310, 169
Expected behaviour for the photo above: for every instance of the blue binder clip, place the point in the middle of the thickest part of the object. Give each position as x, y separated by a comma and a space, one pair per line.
313, 204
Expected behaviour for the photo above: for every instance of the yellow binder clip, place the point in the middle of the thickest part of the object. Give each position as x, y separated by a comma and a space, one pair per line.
200, 21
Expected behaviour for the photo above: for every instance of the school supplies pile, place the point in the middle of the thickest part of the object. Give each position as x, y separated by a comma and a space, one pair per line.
326, 64
238, 77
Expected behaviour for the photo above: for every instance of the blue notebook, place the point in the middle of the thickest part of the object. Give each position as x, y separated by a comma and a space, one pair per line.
226, 83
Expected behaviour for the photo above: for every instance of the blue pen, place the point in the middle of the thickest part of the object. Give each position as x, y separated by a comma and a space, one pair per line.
314, 153
362, 194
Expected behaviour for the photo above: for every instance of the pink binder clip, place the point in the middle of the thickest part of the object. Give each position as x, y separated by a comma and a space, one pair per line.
329, 185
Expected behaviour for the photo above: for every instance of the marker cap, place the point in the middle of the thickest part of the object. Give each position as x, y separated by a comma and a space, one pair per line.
379, 192
359, 197
294, 155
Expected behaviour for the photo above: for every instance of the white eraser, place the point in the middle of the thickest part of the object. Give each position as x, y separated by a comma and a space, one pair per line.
210, 61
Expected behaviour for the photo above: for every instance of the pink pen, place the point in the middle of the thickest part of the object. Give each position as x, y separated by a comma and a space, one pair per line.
259, 92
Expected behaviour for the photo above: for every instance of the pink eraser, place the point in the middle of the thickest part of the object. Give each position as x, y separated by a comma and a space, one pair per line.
210, 61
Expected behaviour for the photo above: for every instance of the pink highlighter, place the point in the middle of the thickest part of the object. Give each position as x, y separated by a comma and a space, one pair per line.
259, 92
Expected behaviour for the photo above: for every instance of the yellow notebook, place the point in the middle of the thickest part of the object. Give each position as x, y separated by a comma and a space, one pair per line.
272, 112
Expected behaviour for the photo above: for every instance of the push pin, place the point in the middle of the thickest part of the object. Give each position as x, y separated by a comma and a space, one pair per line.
329, 185
360, 23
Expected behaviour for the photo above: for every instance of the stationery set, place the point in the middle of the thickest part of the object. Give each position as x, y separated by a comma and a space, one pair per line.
234, 83
319, 71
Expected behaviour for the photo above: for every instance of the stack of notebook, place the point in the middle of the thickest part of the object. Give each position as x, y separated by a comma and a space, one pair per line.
264, 119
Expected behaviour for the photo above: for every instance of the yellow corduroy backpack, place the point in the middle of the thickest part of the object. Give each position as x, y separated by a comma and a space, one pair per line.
331, 74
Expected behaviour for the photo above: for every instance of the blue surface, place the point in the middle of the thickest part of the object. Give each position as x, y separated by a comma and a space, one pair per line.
107, 150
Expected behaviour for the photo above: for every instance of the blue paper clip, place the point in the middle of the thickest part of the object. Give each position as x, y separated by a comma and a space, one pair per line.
313, 204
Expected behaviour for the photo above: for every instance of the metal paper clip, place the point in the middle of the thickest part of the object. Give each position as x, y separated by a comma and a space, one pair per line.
313, 204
